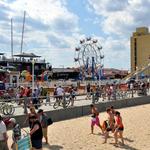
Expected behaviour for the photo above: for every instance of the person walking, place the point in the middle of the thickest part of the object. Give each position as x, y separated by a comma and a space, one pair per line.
3, 135
95, 118
72, 95
88, 90
109, 124
32, 113
60, 93
35, 99
36, 133
43, 120
119, 127
16, 135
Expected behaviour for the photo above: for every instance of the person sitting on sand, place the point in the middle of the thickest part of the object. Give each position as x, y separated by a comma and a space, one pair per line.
108, 125
118, 128
95, 119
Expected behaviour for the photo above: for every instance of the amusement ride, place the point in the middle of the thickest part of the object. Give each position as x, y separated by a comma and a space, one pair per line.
90, 59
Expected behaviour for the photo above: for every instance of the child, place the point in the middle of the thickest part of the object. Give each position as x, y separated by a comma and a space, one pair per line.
118, 128
109, 124
95, 118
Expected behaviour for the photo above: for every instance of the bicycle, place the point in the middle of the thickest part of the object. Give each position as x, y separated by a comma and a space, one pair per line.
62, 101
122, 95
95, 97
7, 109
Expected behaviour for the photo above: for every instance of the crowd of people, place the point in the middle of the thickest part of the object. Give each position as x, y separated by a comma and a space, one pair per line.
38, 124
112, 91
113, 124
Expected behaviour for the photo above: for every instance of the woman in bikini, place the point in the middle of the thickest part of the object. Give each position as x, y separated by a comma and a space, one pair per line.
119, 127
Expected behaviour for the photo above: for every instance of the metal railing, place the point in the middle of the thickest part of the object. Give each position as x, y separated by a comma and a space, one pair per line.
64, 100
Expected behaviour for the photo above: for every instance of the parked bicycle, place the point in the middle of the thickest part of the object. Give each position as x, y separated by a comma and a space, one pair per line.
6, 109
64, 102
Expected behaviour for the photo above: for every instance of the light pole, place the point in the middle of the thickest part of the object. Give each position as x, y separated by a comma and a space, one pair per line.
137, 73
99, 74
33, 62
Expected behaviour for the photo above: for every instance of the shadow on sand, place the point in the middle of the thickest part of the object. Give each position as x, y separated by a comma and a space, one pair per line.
129, 140
53, 147
125, 146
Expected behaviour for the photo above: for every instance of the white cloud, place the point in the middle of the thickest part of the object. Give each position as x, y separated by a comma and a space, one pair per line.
51, 29
120, 18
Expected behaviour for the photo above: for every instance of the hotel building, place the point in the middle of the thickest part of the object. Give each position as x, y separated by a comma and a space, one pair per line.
140, 48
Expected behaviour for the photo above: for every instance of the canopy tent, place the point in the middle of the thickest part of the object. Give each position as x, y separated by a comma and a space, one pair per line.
29, 55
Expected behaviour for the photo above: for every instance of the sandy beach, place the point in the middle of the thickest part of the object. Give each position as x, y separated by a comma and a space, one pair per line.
75, 134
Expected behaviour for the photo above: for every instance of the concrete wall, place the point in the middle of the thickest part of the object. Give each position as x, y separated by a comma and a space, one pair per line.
69, 113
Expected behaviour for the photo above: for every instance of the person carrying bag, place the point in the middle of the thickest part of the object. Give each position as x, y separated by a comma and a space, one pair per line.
45, 122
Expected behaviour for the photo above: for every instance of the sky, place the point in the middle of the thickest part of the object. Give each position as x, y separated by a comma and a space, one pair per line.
54, 28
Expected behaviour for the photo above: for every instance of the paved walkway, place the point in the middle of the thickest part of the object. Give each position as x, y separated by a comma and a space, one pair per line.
81, 101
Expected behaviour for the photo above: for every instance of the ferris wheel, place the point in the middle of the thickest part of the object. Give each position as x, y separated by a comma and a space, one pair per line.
89, 56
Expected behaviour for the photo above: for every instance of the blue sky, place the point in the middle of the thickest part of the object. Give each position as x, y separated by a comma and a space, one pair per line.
53, 28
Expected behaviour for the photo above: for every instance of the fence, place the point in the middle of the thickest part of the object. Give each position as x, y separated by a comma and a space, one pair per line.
52, 100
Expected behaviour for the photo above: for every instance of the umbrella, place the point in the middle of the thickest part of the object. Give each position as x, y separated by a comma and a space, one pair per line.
3, 71
9, 67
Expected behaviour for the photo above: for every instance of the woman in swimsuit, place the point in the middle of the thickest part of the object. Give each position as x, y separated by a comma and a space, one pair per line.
118, 128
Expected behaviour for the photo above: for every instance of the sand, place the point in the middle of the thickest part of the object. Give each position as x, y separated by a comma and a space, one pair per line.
75, 134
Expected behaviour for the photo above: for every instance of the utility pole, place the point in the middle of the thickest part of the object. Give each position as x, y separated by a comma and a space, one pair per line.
12, 38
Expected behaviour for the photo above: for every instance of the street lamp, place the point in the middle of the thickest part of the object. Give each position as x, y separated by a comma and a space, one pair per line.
99, 73
33, 63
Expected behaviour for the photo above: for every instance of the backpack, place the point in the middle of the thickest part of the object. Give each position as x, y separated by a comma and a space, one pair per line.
49, 121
